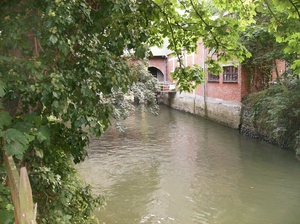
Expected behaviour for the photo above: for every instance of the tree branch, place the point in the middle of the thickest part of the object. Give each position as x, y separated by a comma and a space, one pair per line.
294, 5
206, 24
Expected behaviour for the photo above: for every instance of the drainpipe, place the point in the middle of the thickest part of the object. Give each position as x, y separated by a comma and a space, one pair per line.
167, 78
194, 106
204, 86
166, 68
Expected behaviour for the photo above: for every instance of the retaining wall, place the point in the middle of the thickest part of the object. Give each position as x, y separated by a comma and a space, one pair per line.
222, 111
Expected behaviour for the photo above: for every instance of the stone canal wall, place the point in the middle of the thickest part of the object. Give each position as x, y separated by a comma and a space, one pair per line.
222, 111
251, 128
271, 115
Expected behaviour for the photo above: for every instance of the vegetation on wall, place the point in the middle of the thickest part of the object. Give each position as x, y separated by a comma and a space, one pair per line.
275, 114
265, 53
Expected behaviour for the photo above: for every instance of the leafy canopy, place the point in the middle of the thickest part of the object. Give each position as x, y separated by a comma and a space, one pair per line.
65, 66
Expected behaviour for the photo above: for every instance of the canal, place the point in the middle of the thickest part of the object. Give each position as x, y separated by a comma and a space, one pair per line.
180, 168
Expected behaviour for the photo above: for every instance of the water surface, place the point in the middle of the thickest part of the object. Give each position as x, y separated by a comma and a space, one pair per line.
180, 168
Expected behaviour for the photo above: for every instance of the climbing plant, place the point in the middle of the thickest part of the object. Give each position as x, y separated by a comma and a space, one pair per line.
274, 114
265, 53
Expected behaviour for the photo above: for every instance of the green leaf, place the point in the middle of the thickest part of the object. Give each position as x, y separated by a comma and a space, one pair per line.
39, 153
2, 88
55, 94
14, 135
5, 119
63, 48
53, 39
23, 126
6, 216
29, 137
43, 134
14, 149
32, 118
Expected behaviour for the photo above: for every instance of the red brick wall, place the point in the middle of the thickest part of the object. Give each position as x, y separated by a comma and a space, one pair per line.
171, 65
254, 82
225, 91
245, 82
281, 67
159, 63
200, 90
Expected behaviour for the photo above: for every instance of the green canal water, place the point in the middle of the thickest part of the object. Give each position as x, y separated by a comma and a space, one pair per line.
180, 168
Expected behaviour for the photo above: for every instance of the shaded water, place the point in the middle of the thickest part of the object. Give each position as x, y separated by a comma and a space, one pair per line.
180, 168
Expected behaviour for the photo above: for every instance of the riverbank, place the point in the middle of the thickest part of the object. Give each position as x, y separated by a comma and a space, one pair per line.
272, 115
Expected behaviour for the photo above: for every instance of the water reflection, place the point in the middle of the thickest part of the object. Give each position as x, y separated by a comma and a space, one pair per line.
179, 168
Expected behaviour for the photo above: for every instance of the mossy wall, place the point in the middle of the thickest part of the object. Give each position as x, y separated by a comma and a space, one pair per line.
273, 115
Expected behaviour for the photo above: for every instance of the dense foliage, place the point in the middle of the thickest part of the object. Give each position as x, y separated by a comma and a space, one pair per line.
275, 114
67, 65
64, 74
265, 54
6, 207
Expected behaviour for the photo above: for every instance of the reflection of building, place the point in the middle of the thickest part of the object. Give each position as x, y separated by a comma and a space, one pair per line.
219, 98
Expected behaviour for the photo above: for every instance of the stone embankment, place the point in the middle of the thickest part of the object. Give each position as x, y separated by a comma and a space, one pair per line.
248, 125
220, 111
273, 115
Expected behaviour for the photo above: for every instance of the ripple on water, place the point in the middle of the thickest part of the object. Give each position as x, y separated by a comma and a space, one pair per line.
179, 168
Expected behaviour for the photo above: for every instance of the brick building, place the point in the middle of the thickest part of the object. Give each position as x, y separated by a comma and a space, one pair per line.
219, 98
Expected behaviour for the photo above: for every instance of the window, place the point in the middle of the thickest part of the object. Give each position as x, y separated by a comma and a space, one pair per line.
230, 74
213, 78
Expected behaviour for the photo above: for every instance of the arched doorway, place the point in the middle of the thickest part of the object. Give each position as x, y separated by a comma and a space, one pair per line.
157, 74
